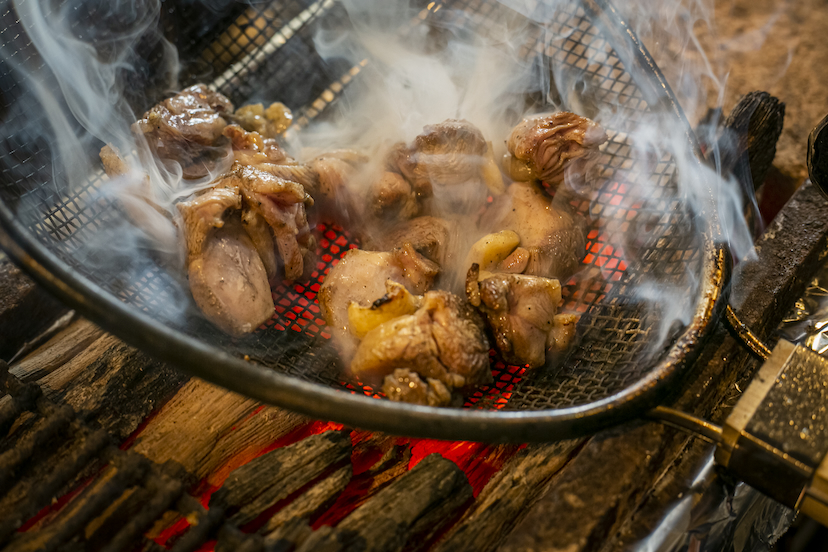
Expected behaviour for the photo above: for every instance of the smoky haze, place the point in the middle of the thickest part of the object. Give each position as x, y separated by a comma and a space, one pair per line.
491, 71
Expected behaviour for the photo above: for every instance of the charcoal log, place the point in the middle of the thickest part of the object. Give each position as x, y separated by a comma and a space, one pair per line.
25, 309
388, 521
505, 497
262, 482
313, 500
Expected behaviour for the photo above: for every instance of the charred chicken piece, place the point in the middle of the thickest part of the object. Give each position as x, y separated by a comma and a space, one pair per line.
553, 235
406, 386
360, 277
553, 147
447, 162
443, 340
187, 129
250, 148
227, 278
432, 237
520, 311
282, 204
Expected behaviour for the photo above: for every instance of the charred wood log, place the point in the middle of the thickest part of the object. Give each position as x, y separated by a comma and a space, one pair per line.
313, 500
746, 147
25, 309
274, 476
391, 518
506, 497
123, 472
752, 130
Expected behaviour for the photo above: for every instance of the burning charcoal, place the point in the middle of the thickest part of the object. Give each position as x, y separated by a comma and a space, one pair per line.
227, 278
520, 311
187, 129
505, 497
553, 148
413, 508
443, 340
551, 232
313, 500
264, 481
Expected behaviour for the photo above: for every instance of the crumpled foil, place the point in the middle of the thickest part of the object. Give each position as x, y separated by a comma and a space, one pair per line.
713, 514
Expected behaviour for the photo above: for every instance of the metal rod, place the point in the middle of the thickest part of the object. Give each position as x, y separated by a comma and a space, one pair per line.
747, 337
687, 422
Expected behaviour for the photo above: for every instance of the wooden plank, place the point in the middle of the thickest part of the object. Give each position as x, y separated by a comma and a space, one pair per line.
57, 351
205, 428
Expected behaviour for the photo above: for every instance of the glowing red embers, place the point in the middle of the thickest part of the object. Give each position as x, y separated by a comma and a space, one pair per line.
296, 306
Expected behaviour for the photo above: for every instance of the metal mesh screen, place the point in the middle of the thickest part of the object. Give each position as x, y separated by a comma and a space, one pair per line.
639, 229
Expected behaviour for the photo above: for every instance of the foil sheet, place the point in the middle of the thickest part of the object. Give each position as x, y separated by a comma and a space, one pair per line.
713, 514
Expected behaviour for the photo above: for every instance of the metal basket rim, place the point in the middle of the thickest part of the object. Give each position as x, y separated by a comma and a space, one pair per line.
319, 402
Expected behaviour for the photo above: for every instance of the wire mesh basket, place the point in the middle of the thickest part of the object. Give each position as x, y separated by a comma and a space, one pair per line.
624, 360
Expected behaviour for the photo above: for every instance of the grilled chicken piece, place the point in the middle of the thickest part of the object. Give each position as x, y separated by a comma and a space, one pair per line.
187, 129
250, 148
520, 311
553, 147
227, 278
259, 232
433, 237
137, 197
447, 162
360, 277
551, 232
443, 340
391, 197
282, 204
406, 386
269, 122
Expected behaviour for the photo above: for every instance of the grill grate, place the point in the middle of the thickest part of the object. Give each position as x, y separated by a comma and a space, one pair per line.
640, 230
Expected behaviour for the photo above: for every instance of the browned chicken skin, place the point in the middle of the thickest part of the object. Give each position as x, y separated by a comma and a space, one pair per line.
552, 147
442, 340
551, 232
520, 311
403, 385
432, 237
282, 204
187, 128
360, 277
445, 163
227, 278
